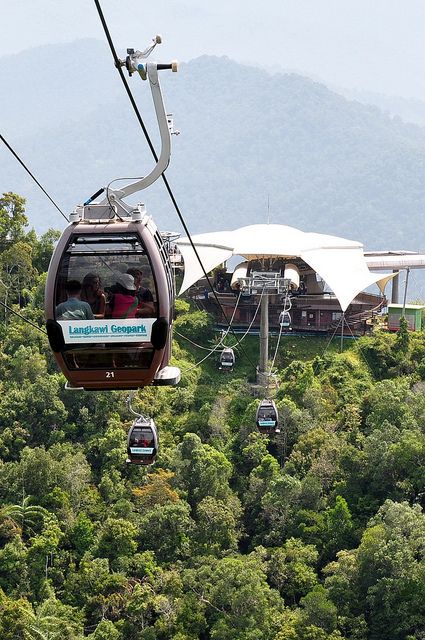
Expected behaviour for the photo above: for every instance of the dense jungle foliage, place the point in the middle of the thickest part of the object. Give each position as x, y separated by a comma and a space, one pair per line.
318, 535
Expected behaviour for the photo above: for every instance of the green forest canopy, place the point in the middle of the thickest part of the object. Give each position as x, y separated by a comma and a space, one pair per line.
229, 536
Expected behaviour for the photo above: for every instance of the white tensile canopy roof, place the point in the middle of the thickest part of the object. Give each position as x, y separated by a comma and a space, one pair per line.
339, 262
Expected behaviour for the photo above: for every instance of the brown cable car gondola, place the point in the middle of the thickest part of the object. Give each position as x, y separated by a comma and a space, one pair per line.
142, 442
127, 344
267, 417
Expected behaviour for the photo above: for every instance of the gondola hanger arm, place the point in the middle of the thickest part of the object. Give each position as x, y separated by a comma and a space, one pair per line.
128, 402
149, 71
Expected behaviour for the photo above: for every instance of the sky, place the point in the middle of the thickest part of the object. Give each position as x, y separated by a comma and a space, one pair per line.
370, 45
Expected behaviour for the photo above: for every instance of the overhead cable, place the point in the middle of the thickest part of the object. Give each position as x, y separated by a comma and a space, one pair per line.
32, 176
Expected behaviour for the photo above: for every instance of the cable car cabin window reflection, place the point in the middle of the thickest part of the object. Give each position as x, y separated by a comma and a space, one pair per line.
227, 357
100, 278
142, 437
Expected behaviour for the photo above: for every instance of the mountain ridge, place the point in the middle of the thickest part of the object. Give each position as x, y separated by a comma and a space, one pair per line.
325, 164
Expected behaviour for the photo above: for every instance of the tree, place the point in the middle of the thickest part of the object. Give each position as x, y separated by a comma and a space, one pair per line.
43, 248
378, 352
319, 610
14, 568
383, 579
260, 480
278, 508
402, 339
56, 621
195, 325
291, 569
201, 470
387, 401
81, 535
338, 533
217, 524
16, 272
26, 515
167, 530
16, 615
12, 219
105, 630
42, 547
37, 406
117, 537
156, 491
63, 466
297, 378
238, 602
27, 364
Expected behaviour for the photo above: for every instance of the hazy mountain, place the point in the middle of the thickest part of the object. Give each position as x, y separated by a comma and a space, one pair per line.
325, 163
408, 109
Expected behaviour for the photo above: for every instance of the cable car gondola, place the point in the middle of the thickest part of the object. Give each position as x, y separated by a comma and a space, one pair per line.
227, 359
267, 417
142, 442
285, 321
116, 244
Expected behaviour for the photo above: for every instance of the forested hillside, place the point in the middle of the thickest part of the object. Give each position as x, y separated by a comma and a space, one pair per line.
326, 164
319, 535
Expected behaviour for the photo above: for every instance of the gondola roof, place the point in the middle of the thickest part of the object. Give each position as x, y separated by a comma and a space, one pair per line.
340, 262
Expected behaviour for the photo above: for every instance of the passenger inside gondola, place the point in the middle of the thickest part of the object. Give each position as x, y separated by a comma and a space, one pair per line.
141, 438
92, 293
109, 260
123, 302
146, 307
74, 308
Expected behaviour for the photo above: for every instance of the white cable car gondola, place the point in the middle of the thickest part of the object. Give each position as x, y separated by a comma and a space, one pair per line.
285, 321
267, 417
127, 344
227, 359
142, 442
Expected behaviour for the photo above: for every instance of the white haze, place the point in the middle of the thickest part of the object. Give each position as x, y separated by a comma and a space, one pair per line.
370, 45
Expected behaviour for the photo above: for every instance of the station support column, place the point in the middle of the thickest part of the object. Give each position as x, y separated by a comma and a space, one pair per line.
394, 288
264, 339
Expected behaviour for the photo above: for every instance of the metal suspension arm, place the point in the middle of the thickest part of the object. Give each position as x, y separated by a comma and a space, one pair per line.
148, 71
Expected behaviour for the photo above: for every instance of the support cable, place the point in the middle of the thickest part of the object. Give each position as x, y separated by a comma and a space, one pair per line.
219, 344
195, 344
252, 321
44, 191
6, 306
222, 337
13, 152
287, 306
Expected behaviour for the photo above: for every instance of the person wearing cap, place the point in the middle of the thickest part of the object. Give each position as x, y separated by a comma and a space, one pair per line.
123, 302
146, 307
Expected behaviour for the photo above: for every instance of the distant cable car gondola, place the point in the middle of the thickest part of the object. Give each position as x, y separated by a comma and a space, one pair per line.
285, 320
227, 359
119, 251
142, 443
267, 417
